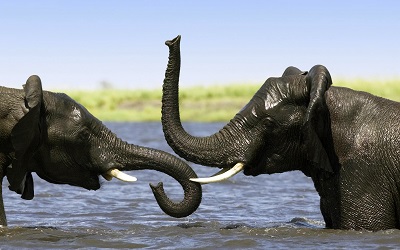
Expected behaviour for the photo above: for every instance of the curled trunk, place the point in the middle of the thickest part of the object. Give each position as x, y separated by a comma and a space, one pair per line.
215, 150
141, 158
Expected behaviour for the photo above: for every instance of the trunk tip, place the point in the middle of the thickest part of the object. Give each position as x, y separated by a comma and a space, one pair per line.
173, 41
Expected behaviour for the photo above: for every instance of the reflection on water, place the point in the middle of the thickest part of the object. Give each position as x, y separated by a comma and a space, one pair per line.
277, 211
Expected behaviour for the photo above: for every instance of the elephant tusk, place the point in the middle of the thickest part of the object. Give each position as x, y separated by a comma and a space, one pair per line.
221, 175
119, 175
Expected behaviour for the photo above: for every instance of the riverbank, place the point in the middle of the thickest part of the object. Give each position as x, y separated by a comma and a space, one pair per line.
204, 104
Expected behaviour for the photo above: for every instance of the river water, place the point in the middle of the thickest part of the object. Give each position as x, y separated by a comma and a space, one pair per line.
279, 211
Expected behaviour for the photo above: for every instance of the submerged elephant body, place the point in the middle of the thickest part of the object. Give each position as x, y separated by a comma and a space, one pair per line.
52, 135
347, 141
366, 142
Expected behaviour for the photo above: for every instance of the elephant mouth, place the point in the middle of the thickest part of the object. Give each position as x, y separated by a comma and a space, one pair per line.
251, 171
224, 174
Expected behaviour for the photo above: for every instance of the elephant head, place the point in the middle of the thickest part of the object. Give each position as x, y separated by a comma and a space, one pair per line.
282, 128
52, 135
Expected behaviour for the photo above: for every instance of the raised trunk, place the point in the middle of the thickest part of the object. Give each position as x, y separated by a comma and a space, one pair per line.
215, 150
141, 158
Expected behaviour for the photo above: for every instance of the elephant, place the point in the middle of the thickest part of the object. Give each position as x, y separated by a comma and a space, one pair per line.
346, 141
55, 137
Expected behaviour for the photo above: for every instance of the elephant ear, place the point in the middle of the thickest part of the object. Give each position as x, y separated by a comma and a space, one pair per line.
316, 122
26, 139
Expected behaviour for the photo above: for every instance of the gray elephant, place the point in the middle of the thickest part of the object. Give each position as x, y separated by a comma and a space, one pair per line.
347, 141
52, 135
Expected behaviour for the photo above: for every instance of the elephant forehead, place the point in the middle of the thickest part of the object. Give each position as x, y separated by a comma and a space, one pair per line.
271, 102
268, 100
275, 91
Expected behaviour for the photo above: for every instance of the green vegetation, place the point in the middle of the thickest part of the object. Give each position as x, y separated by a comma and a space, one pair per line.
388, 88
211, 103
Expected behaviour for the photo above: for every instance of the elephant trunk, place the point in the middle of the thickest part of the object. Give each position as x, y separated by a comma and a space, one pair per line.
215, 150
141, 158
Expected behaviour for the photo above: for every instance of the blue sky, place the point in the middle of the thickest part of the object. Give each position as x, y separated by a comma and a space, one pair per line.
79, 44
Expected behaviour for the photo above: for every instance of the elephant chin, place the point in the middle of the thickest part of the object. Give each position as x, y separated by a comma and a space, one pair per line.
224, 174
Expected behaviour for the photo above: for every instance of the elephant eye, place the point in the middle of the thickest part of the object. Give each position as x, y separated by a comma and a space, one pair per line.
76, 114
269, 122
84, 134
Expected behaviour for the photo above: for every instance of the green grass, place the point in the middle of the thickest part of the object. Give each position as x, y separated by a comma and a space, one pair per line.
120, 105
388, 88
211, 103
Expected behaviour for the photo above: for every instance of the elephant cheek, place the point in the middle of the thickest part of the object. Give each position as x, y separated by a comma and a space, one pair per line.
76, 177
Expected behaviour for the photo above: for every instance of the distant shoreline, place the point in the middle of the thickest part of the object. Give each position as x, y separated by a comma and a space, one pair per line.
201, 104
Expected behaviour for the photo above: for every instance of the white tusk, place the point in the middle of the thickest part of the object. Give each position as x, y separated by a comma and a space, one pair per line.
119, 175
221, 175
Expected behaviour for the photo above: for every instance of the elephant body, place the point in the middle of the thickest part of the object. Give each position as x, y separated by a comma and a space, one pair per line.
58, 139
366, 141
347, 141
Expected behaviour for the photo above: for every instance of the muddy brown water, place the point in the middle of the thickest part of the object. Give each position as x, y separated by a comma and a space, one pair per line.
279, 211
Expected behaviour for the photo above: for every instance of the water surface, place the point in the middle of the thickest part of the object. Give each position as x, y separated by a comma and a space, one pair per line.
276, 211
